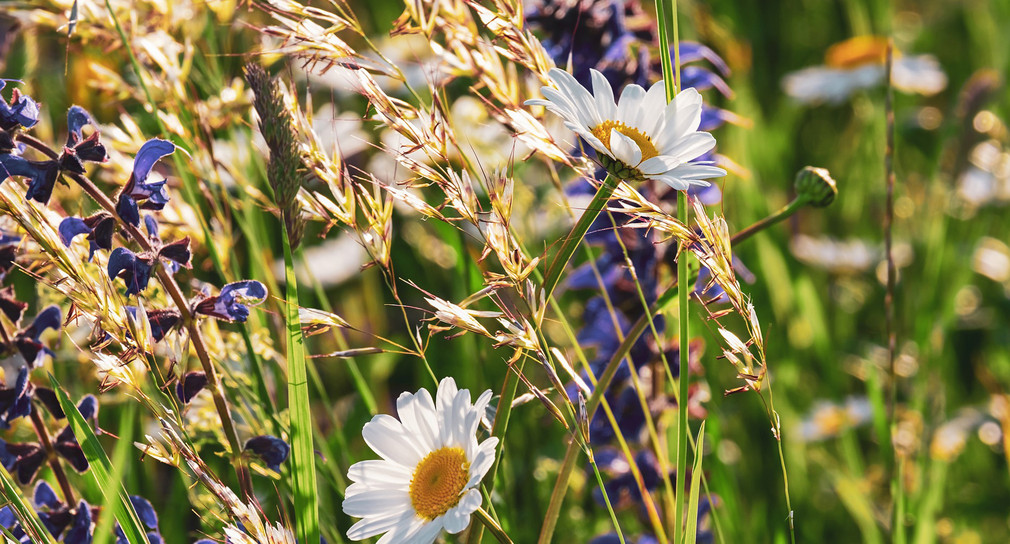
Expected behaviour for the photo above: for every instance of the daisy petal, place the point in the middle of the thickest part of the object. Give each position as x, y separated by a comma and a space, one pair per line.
625, 149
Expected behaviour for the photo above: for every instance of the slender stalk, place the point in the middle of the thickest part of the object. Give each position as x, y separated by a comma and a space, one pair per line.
897, 489
574, 238
493, 527
637, 329
175, 293
54, 461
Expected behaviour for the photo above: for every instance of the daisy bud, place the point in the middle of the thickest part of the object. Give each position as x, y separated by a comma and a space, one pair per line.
816, 186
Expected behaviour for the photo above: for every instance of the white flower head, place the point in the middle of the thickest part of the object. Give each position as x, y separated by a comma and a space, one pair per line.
430, 467
860, 63
639, 137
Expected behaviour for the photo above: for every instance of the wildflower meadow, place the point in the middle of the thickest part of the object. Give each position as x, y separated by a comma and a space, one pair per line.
464, 271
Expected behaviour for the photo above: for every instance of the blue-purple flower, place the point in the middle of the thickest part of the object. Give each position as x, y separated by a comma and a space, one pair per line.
81, 148
190, 385
15, 401
22, 111
138, 193
98, 227
230, 304
161, 321
272, 450
28, 340
41, 175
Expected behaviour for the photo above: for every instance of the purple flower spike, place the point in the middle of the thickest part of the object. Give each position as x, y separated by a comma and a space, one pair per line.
230, 304
271, 449
16, 401
135, 270
22, 111
190, 385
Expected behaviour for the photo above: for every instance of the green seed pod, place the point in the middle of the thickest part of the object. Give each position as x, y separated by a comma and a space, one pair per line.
816, 186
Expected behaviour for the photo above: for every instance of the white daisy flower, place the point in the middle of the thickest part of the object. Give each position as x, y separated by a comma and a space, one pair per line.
640, 136
860, 63
430, 467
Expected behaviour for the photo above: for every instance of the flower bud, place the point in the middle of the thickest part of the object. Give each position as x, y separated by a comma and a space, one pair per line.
816, 186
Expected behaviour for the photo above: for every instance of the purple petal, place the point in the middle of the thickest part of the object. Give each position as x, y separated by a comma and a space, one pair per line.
71, 228
151, 152
46, 496
190, 385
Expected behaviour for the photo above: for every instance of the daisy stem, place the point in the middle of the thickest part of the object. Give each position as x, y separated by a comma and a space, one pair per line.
492, 526
578, 232
639, 328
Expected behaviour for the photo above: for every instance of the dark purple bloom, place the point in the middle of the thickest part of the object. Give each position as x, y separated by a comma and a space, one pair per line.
80, 148
41, 175
99, 229
10, 522
28, 340
80, 529
22, 460
160, 321
134, 269
22, 111
15, 401
138, 193
147, 516
271, 449
177, 252
190, 385
230, 304
66, 444
11, 306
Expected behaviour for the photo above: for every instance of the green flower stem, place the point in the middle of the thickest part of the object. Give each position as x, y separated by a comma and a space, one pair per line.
175, 293
493, 526
302, 451
779, 215
664, 300
574, 238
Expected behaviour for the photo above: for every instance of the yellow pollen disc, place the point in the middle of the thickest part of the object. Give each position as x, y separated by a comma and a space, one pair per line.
437, 482
602, 132
856, 52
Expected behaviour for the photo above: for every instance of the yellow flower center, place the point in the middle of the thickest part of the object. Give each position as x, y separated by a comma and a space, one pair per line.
856, 52
602, 132
437, 482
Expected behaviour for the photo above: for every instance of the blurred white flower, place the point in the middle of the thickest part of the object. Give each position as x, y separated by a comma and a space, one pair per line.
860, 63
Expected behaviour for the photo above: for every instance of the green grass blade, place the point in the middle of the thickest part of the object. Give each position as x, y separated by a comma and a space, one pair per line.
691, 532
101, 469
25, 513
303, 466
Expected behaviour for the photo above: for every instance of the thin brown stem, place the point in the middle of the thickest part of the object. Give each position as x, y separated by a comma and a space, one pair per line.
54, 461
175, 293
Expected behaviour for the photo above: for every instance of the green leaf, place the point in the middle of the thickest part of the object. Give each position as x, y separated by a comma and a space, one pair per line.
691, 533
303, 466
101, 469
